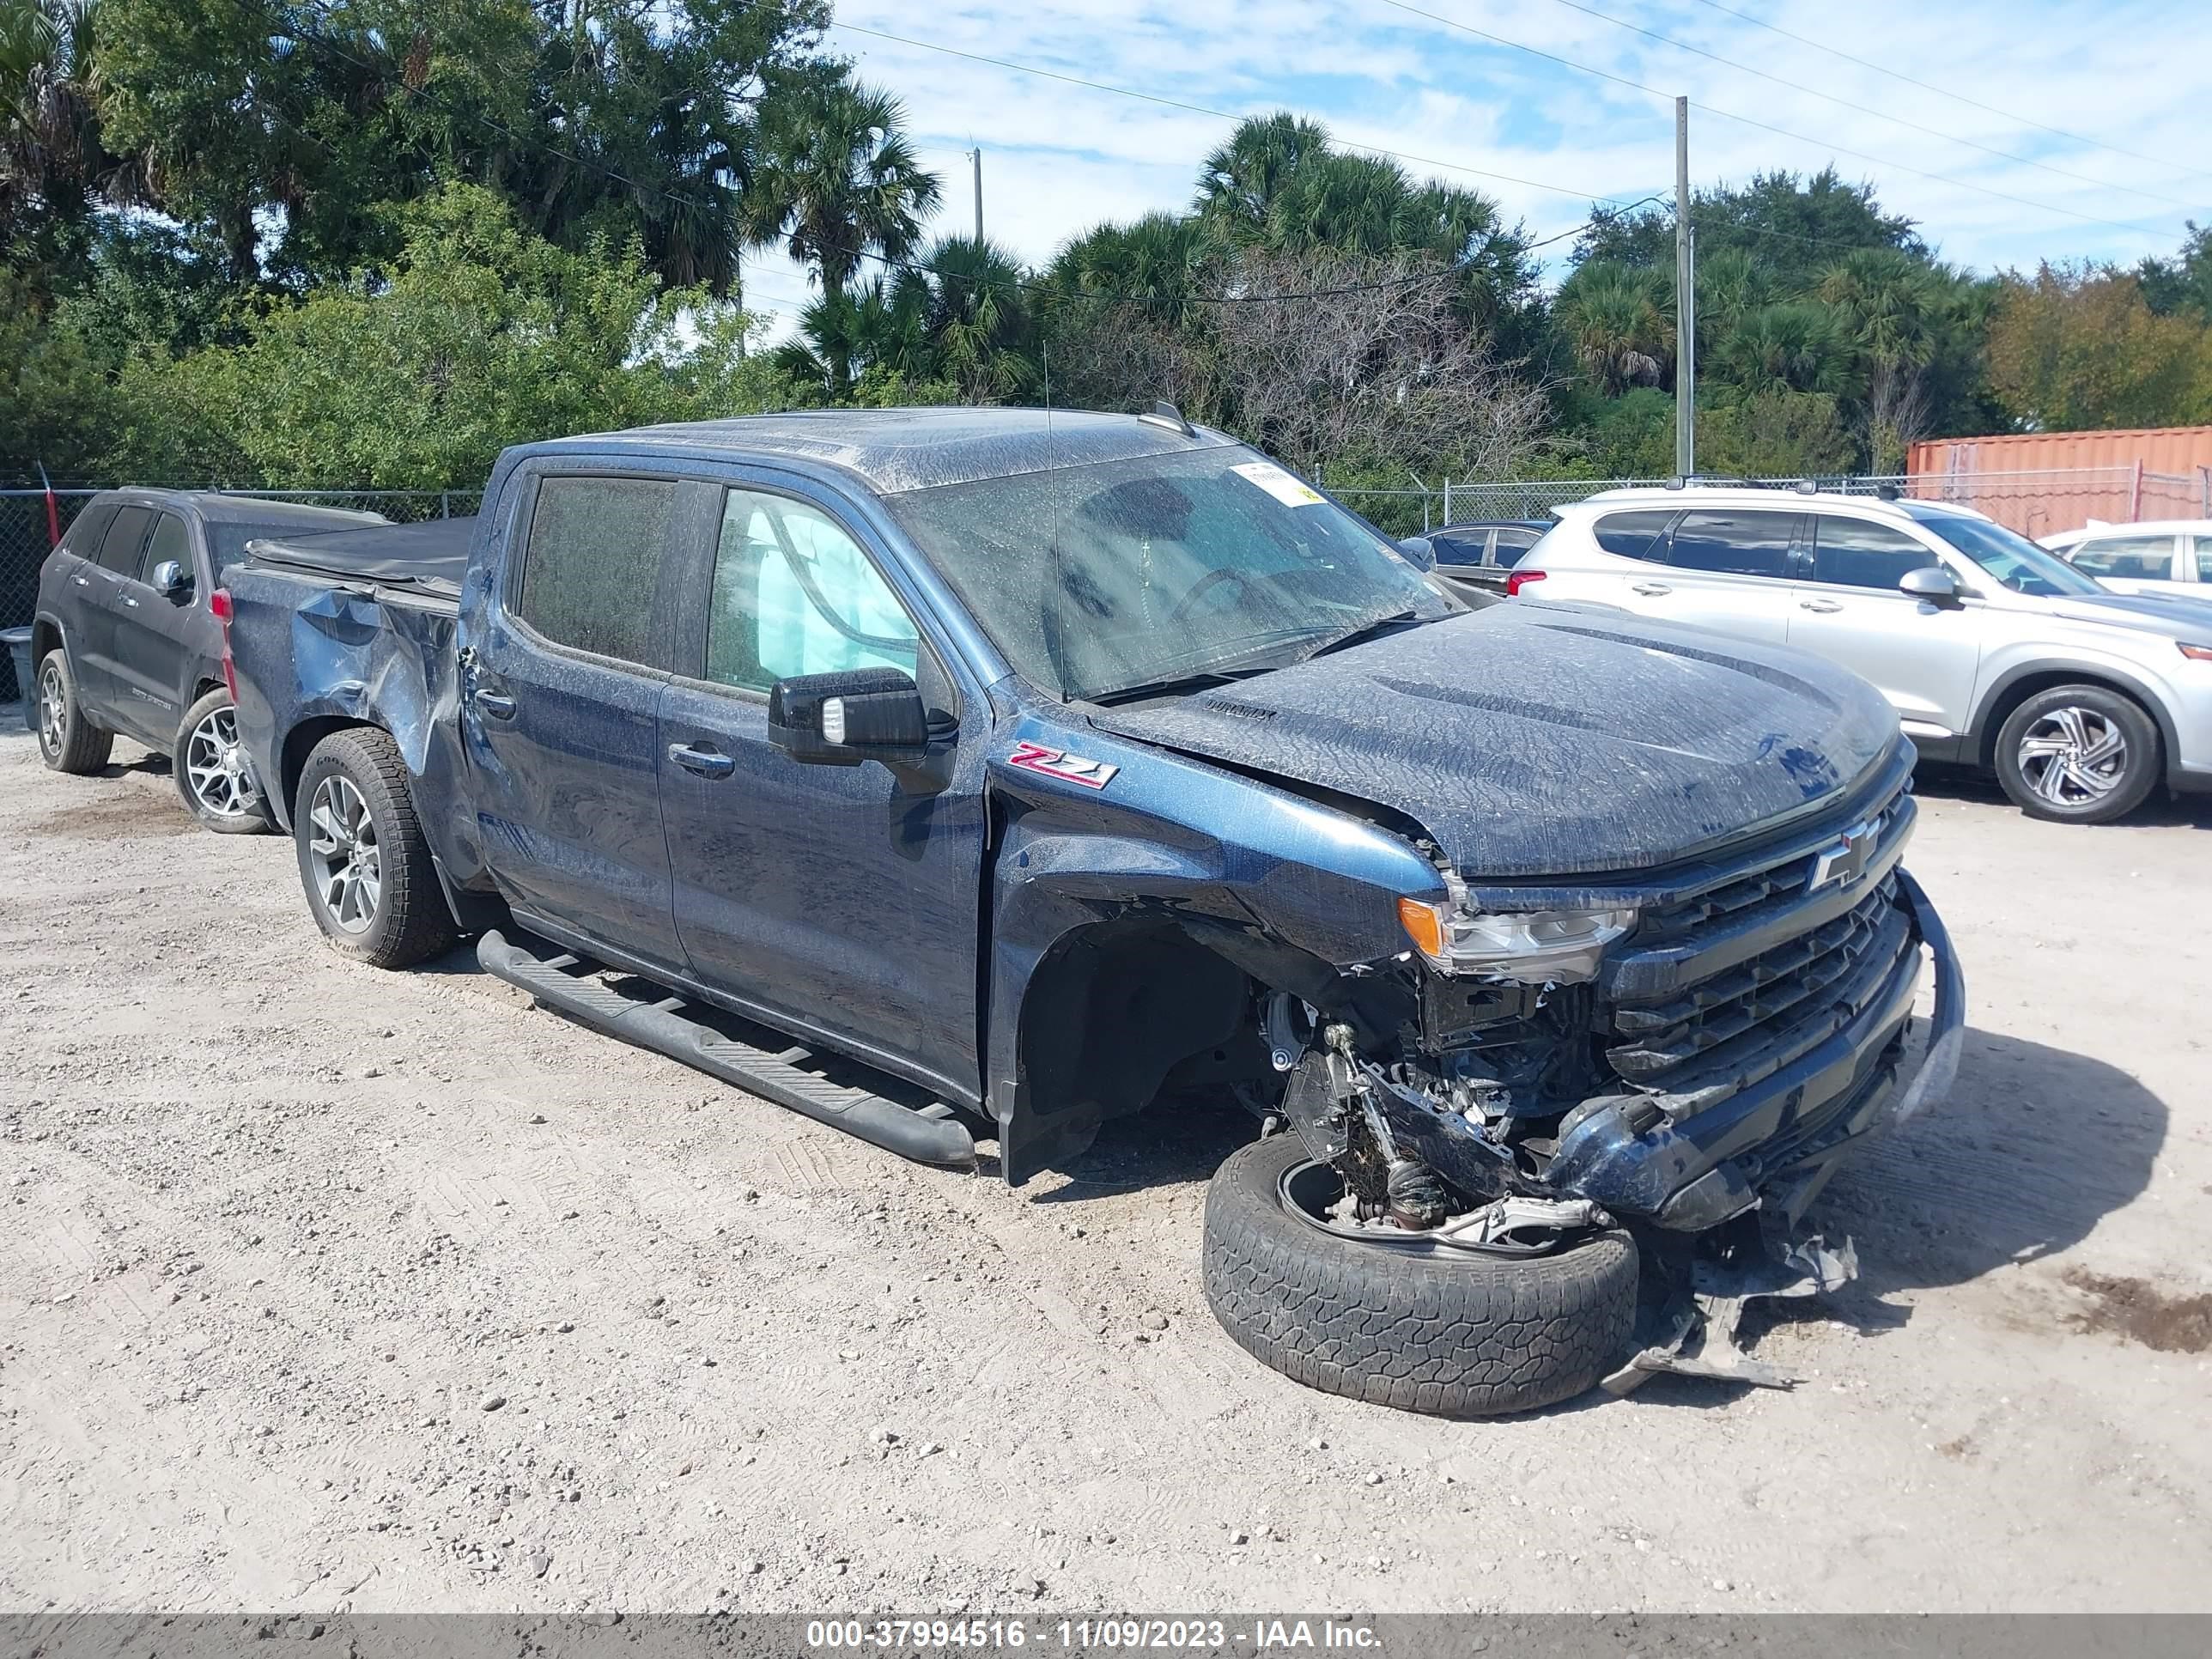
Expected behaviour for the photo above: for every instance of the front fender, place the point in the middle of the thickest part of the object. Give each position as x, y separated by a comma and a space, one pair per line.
1260, 875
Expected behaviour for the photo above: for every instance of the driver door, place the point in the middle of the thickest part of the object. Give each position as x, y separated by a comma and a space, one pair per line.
837, 899
1923, 656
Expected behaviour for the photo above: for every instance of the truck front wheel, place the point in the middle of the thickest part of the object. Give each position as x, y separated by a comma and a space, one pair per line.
363, 859
1423, 1325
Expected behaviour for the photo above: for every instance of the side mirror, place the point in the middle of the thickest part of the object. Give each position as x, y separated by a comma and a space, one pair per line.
172, 582
1420, 551
1930, 582
846, 718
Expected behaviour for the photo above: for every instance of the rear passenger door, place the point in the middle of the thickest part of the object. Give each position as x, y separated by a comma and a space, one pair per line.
1727, 568
151, 633
1920, 655
840, 900
561, 712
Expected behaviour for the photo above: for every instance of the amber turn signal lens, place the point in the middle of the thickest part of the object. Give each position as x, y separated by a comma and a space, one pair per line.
1425, 926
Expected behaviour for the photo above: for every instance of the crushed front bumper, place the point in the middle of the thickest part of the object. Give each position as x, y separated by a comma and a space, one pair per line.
1773, 1143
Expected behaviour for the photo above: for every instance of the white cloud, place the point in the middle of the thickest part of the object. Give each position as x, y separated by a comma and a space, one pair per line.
1059, 158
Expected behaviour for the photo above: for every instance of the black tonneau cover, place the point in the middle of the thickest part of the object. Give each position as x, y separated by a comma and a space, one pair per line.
432, 555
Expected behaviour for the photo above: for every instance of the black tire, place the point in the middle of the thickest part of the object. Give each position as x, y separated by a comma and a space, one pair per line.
218, 788
407, 918
1430, 1328
70, 741
2067, 781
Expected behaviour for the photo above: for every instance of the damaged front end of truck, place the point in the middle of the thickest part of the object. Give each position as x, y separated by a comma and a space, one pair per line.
1687, 1051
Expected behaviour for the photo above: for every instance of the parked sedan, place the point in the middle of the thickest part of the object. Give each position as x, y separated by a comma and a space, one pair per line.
2167, 555
1993, 652
1478, 557
125, 641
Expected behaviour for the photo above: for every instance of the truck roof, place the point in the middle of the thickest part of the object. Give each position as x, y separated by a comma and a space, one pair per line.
893, 450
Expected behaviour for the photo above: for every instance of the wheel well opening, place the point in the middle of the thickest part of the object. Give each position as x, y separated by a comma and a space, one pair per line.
1120, 1011
2028, 685
300, 742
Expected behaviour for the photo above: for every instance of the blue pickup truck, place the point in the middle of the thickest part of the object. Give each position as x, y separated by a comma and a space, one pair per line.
960, 774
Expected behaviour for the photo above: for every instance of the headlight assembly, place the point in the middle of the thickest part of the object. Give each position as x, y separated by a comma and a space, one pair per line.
1533, 947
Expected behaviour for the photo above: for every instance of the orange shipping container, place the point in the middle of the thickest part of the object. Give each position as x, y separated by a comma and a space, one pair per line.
2040, 482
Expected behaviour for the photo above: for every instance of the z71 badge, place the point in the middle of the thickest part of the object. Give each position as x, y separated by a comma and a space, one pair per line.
1058, 763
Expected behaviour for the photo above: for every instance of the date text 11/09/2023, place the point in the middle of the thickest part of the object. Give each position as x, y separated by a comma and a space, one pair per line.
1084, 1635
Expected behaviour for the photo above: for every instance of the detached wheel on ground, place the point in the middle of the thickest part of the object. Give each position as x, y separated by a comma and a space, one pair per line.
2078, 754
70, 741
1421, 1326
212, 772
363, 857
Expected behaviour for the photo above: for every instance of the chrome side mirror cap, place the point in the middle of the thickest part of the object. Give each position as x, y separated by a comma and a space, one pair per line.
172, 581
1930, 582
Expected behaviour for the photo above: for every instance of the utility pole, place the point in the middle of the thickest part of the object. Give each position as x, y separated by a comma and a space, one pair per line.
1686, 303
975, 155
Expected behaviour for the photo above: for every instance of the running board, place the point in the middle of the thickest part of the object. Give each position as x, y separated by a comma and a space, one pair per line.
927, 1135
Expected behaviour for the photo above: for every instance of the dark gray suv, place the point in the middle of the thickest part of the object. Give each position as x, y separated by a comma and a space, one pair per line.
125, 641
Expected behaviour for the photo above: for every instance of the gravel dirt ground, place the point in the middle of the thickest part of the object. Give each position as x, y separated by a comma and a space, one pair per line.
326, 1288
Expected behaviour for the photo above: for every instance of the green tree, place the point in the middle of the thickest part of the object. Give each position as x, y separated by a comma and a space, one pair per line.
835, 180
2080, 346
1619, 319
55, 166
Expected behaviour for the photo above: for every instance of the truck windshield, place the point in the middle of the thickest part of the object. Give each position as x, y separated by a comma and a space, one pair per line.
2012, 559
1110, 578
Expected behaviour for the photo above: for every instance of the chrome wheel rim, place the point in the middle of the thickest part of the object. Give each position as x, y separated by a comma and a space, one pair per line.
2073, 756
343, 854
216, 770
53, 711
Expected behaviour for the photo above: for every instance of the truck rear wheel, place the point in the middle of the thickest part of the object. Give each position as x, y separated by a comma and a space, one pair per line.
363, 858
1423, 1327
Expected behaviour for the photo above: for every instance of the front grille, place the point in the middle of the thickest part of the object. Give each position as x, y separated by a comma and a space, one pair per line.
1724, 987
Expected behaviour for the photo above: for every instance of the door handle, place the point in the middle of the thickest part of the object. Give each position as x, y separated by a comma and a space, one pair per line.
704, 762
498, 707
128, 600
1650, 589
81, 581
1824, 607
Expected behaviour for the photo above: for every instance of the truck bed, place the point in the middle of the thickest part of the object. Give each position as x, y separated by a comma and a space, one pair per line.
430, 559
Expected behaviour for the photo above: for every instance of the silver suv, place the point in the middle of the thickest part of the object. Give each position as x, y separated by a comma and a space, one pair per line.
1993, 652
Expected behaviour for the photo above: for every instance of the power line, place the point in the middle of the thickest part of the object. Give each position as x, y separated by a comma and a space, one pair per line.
1017, 284
1944, 92
1764, 126
1863, 109
1177, 103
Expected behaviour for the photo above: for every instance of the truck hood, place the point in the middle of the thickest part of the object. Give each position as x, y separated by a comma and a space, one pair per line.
1544, 739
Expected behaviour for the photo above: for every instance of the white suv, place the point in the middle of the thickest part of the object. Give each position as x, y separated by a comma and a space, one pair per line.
1993, 652
2157, 557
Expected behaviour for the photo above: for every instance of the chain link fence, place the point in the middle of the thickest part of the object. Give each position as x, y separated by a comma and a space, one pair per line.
29, 521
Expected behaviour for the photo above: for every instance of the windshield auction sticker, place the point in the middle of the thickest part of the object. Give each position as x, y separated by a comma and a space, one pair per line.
1278, 483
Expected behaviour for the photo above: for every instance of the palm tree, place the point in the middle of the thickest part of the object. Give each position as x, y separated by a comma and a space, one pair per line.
834, 181
1794, 345
1353, 203
53, 164
880, 324
1156, 263
1616, 317
1237, 183
977, 317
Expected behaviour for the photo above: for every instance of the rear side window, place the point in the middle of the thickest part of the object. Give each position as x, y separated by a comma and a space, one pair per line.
2137, 558
2204, 558
1633, 535
1852, 553
1460, 547
794, 594
1734, 543
1511, 544
170, 541
84, 537
124, 541
592, 566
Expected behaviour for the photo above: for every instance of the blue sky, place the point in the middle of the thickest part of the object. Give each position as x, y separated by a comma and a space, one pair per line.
1058, 159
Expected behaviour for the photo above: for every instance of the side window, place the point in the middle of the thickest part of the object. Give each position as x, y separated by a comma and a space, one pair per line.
84, 537
1460, 549
1511, 544
125, 539
1734, 543
2137, 558
170, 541
2204, 558
793, 594
592, 565
1852, 553
1633, 535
